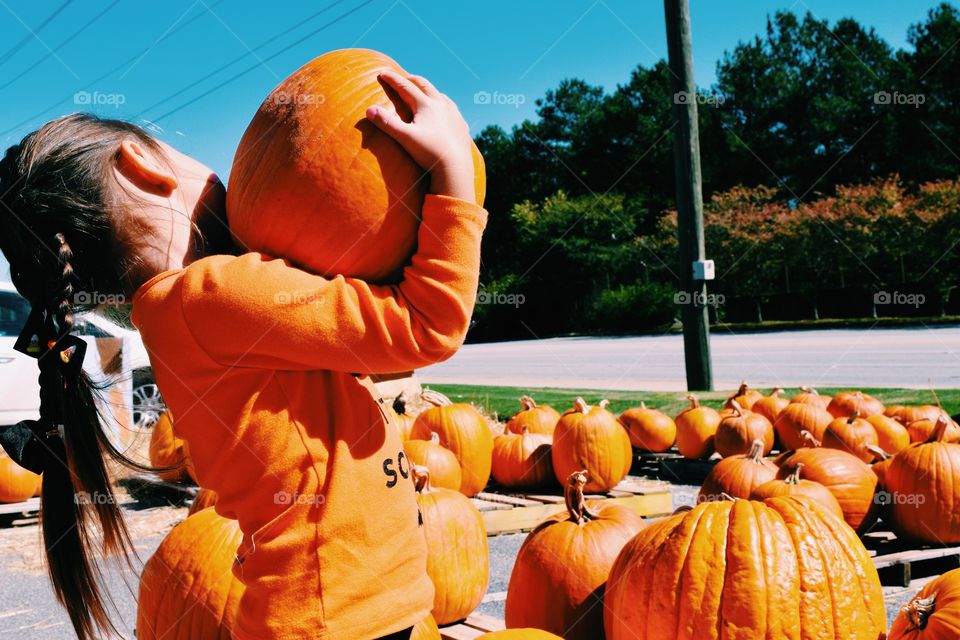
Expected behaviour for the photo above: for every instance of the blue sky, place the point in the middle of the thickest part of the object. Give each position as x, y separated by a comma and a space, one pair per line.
131, 55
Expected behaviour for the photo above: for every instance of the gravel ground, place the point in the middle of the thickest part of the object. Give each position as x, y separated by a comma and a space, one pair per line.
28, 609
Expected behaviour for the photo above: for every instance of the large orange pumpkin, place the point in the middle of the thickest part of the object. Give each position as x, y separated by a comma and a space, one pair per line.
933, 613
522, 459
457, 561
591, 438
317, 183
187, 589
924, 485
782, 568
16, 483
892, 436
559, 574
809, 395
537, 418
738, 430
696, 429
794, 485
649, 429
853, 434
737, 476
847, 403
169, 452
444, 467
463, 431
797, 417
770, 406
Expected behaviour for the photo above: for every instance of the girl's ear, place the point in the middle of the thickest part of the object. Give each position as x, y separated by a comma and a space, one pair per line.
139, 167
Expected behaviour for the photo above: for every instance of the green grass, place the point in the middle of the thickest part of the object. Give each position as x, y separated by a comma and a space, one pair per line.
502, 401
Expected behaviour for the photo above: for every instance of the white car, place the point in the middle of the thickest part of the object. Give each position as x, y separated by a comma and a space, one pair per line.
133, 378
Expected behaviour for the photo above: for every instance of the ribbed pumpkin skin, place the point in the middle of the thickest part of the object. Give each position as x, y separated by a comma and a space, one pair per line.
404, 424
908, 414
187, 588
426, 629
924, 482
205, 498
167, 450
737, 476
649, 429
784, 569
519, 634
444, 467
891, 435
848, 403
851, 435
16, 483
523, 460
457, 561
851, 481
559, 574
696, 430
811, 397
737, 431
943, 623
770, 406
538, 418
921, 430
466, 433
800, 416
315, 182
593, 440
798, 487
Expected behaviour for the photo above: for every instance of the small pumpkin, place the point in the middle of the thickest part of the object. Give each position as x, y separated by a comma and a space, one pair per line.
560, 572
847, 403
205, 498
745, 397
770, 406
798, 417
737, 476
537, 418
403, 419
16, 483
794, 485
522, 459
696, 429
892, 436
649, 429
786, 567
463, 431
933, 613
591, 438
851, 434
456, 549
168, 452
808, 395
739, 430
924, 483
187, 588
444, 466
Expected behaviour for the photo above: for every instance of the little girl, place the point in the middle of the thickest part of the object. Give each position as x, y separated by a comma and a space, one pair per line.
261, 363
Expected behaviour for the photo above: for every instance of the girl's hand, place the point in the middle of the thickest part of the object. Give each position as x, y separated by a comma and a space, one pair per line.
437, 138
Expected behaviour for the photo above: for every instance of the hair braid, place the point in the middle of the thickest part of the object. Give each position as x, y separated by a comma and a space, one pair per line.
64, 290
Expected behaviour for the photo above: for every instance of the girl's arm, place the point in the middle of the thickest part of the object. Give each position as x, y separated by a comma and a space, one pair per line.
261, 312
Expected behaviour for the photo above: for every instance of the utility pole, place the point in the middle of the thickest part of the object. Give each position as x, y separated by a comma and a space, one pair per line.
695, 270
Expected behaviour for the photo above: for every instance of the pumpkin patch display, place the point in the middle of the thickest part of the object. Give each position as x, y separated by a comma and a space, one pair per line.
794, 485
696, 429
443, 465
892, 436
463, 431
522, 460
317, 183
786, 567
536, 418
559, 574
591, 438
16, 483
933, 613
649, 429
187, 588
798, 417
456, 549
770, 406
738, 430
853, 434
848, 403
737, 476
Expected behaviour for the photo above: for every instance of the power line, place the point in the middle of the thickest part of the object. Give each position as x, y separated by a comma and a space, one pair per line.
268, 58
239, 58
33, 33
76, 33
167, 35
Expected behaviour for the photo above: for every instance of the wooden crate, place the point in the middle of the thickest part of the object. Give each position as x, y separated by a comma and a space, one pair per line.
899, 562
505, 512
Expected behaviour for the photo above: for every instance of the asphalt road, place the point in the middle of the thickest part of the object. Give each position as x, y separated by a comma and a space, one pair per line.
881, 357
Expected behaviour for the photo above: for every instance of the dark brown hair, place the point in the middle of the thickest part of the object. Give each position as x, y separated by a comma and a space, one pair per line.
60, 216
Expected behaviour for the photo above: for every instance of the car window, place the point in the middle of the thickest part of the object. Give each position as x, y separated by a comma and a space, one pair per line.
14, 310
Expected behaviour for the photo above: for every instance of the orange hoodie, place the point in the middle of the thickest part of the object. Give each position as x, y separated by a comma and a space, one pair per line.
257, 361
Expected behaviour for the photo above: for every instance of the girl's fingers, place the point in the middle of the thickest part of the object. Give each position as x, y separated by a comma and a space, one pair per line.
425, 86
389, 122
411, 94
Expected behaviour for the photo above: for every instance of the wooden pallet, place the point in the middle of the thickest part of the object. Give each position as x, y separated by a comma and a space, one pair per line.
899, 562
504, 512
474, 626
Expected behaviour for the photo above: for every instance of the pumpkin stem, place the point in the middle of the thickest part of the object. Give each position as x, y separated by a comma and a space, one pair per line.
527, 403
940, 430
435, 438
737, 409
400, 404
919, 610
742, 390
794, 477
580, 405
603, 403
756, 450
435, 398
810, 390
682, 509
727, 497
573, 497
853, 417
643, 405
878, 452
421, 478
694, 401
775, 392
808, 439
